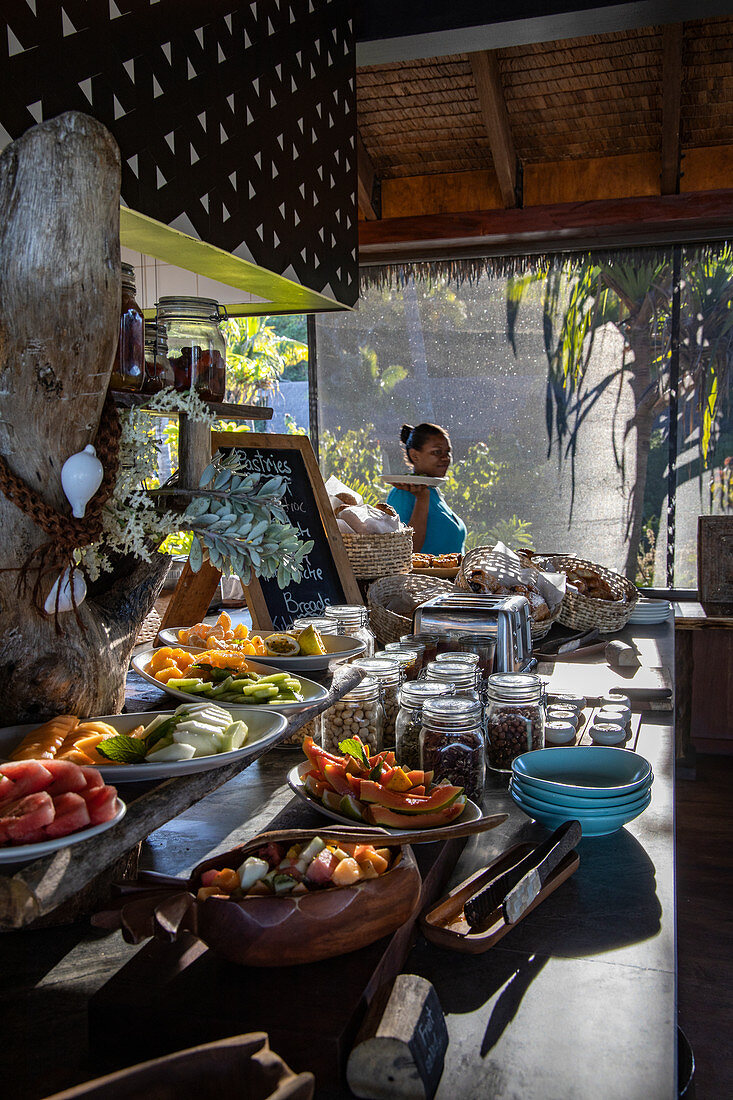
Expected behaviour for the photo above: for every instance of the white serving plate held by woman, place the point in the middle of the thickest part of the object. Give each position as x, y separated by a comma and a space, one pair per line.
310, 690
411, 479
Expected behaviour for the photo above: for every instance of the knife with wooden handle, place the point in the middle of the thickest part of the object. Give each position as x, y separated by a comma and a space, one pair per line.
519, 899
479, 908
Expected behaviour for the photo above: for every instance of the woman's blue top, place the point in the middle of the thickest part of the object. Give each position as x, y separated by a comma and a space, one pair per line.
445, 532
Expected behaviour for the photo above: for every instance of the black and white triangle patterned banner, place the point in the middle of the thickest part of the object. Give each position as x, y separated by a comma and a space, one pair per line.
236, 121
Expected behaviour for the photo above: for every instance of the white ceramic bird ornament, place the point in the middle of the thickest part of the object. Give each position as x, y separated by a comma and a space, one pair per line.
62, 585
81, 476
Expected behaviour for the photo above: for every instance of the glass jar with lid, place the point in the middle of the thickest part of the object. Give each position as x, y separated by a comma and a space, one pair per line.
310, 729
353, 620
515, 717
356, 714
430, 641
471, 661
455, 672
484, 646
413, 695
452, 744
128, 369
409, 657
196, 346
158, 371
389, 676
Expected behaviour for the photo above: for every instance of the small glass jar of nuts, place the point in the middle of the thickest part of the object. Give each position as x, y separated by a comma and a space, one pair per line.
452, 744
515, 717
389, 676
356, 714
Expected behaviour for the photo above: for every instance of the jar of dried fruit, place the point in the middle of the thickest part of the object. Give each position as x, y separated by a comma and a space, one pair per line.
515, 717
197, 349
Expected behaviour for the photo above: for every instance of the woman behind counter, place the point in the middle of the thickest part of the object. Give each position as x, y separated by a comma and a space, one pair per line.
437, 530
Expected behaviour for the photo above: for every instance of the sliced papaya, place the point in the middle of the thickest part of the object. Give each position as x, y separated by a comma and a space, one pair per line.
380, 815
420, 778
336, 777
398, 781
355, 782
318, 756
314, 786
332, 800
439, 797
352, 807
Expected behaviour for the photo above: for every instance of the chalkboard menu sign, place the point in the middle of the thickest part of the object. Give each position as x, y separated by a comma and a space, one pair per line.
327, 574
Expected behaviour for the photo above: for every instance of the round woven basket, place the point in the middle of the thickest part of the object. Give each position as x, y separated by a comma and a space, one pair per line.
388, 625
477, 559
373, 556
581, 612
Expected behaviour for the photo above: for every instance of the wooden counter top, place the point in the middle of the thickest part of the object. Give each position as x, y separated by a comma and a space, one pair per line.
578, 1001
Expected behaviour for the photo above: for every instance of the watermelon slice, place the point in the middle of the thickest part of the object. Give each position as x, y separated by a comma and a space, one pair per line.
72, 814
100, 803
66, 777
28, 777
25, 816
92, 776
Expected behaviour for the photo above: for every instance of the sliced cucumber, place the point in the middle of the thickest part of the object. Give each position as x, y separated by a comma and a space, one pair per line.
174, 751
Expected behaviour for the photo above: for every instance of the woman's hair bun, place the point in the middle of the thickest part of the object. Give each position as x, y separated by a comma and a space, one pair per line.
405, 432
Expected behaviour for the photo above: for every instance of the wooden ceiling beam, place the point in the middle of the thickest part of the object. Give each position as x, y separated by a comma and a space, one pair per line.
485, 67
697, 216
366, 179
671, 107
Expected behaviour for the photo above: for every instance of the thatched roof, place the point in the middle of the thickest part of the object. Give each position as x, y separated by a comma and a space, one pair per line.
656, 99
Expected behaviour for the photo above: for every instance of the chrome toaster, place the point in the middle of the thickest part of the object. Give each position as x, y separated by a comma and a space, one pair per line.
503, 618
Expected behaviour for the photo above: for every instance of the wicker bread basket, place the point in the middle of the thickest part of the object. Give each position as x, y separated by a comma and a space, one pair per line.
477, 559
373, 556
388, 625
581, 612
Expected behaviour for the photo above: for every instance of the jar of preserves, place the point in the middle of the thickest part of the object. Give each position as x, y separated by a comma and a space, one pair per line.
409, 658
452, 744
158, 371
409, 718
462, 675
515, 717
356, 714
196, 346
389, 676
128, 369
353, 620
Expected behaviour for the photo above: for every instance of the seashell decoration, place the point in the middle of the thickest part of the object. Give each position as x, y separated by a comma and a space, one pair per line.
64, 588
81, 476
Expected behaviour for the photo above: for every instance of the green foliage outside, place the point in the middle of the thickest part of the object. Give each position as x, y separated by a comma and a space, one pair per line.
258, 356
354, 456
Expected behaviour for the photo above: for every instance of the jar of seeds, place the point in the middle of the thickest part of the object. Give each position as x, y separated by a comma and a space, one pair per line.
409, 719
515, 717
353, 620
388, 675
452, 744
356, 714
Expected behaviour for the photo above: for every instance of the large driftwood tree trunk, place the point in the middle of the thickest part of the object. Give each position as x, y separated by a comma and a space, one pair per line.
59, 321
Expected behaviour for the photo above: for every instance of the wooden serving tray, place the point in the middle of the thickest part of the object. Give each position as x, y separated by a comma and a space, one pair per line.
445, 925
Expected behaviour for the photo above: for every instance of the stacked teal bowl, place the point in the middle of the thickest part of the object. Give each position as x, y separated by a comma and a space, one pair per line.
602, 788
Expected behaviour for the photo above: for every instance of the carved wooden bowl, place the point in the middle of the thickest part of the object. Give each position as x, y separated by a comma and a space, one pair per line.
271, 931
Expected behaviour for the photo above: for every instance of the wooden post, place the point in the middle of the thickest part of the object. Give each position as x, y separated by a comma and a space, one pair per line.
59, 323
399, 1052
